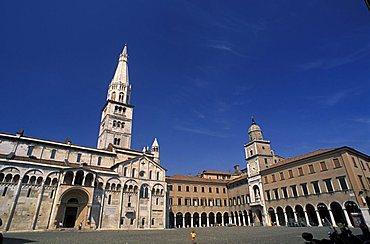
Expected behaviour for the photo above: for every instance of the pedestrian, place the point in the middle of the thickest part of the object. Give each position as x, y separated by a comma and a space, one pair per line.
60, 225
193, 236
80, 226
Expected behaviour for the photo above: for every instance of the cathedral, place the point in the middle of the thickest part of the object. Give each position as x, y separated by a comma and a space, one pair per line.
46, 184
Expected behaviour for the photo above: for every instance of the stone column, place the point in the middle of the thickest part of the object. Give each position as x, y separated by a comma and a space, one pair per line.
347, 218
332, 218
319, 218
83, 180
277, 219
174, 222
207, 225
286, 219
295, 217
307, 219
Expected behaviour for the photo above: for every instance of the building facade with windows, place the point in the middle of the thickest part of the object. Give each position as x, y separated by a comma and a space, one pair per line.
330, 185
46, 184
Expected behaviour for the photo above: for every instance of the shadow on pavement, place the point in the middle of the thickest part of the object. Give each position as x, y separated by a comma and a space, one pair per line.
8, 240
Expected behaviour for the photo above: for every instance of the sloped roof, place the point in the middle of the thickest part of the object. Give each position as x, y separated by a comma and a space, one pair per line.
194, 179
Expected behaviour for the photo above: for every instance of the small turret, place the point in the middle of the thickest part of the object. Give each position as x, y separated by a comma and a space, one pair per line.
254, 132
155, 150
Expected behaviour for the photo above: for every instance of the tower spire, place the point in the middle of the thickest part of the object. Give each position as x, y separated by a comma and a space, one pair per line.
121, 74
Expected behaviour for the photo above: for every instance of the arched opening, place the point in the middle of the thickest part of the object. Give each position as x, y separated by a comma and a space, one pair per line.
338, 213
16, 179
281, 217
79, 178
25, 179
324, 214
196, 220
354, 213
32, 180
311, 213
226, 218
272, 216
89, 179
290, 215
251, 217
203, 219
241, 218
113, 96
1, 177
236, 218
300, 215
219, 219
259, 217
73, 208
144, 191
8, 178
187, 220
211, 217
39, 181
171, 220
179, 220
256, 191
47, 181
246, 217
68, 177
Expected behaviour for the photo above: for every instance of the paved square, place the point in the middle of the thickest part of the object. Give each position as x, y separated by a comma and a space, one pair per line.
204, 235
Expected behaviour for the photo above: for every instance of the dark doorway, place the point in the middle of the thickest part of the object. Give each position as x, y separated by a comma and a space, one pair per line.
70, 217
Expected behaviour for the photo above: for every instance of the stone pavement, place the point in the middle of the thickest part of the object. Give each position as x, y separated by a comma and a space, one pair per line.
214, 235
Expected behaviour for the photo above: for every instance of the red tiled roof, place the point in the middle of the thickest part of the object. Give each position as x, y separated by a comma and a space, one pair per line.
215, 172
194, 179
303, 156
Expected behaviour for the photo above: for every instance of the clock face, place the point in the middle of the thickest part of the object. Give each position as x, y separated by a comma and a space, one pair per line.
253, 168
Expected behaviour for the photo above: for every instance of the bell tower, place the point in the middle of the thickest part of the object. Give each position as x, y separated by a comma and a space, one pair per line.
116, 119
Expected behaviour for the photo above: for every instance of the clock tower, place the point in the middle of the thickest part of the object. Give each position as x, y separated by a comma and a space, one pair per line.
258, 155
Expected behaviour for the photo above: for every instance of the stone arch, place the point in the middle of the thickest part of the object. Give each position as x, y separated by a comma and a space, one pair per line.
79, 177
226, 218
68, 177
290, 215
272, 216
211, 219
187, 219
311, 213
324, 213
236, 218
203, 219
218, 218
196, 219
338, 213
73, 207
89, 179
144, 191
246, 217
301, 218
354, 213
281, 217
179, 219
10, 169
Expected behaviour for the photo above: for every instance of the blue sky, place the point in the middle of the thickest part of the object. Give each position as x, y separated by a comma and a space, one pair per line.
199, 70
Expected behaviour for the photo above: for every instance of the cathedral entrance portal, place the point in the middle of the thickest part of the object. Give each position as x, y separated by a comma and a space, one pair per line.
73, 209
70, 217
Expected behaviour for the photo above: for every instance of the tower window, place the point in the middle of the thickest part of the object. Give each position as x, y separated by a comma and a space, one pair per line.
99, 160
116, 141
121, 96
52, 155
113, 96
